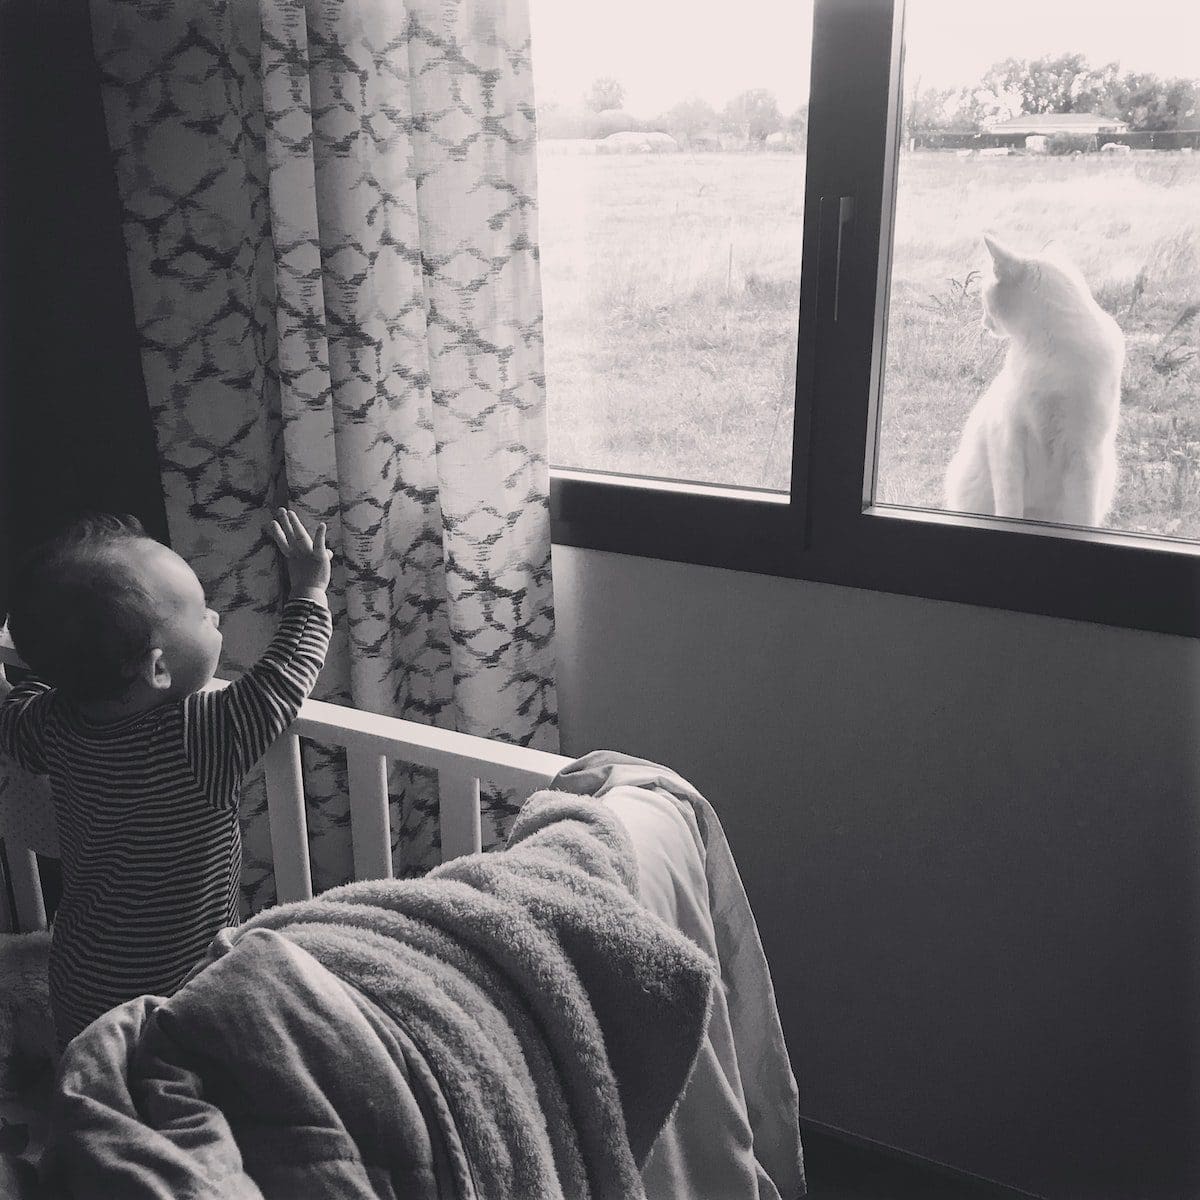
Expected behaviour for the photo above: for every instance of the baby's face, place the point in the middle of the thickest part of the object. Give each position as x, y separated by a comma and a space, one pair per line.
187, 634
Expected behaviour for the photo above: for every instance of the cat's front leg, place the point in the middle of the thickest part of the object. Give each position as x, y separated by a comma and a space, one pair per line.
1006, 452
1087, 487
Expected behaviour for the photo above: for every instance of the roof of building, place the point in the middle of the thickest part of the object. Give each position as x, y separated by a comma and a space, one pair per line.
1056, 122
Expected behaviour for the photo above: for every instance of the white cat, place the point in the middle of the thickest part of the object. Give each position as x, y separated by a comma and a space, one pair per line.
1040, 443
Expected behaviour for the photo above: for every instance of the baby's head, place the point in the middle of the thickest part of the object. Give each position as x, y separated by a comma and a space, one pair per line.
106, 614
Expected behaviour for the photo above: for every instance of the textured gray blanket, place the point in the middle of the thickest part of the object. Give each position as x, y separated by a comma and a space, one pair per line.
512, 1025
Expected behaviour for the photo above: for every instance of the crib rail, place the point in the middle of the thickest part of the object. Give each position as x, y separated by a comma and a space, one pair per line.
370, 740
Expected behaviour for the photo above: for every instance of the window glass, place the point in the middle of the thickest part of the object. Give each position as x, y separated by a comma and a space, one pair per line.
1043, 316
671, 191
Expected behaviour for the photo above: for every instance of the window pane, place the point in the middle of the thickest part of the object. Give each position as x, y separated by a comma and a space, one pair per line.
671, 191
1053, 371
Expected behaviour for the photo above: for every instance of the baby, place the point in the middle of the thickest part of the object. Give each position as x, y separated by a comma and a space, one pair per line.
144, 765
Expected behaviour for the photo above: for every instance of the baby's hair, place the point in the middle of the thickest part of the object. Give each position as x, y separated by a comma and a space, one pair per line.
77, 615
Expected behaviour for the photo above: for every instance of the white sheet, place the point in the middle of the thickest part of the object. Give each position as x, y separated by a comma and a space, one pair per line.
735, 1134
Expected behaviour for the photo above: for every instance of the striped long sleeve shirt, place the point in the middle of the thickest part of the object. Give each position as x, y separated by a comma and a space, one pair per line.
147, 815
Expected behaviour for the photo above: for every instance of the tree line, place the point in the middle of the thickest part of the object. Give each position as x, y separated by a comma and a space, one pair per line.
1058, 83
750, 117
1055, 83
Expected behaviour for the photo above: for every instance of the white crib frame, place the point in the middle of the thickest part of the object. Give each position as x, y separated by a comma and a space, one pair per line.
459, 759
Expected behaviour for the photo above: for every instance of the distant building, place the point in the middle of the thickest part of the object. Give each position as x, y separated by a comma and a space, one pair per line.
1048, 124
638, 143
781, 139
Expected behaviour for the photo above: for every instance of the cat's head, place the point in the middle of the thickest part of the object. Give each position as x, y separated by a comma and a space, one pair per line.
1025, 293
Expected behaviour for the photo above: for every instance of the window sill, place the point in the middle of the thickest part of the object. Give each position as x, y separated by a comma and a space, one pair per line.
736, 528
1100, 576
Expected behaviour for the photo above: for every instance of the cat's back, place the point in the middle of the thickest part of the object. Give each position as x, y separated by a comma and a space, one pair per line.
1072, 347
1075, 326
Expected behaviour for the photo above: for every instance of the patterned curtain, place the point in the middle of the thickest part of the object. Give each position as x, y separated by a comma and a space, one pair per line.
331, 229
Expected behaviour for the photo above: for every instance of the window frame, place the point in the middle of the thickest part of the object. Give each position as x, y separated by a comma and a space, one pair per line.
827, 529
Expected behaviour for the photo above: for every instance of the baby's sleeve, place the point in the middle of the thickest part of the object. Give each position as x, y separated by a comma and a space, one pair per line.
24, 714
226, 732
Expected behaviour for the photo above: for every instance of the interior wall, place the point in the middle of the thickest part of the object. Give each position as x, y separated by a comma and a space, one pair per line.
970, 840
75, 429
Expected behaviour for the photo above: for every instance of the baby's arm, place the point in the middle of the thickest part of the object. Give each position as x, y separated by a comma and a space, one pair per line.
7, 642
226, 732
23, 711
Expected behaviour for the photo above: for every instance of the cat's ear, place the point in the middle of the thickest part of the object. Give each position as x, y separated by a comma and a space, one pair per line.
1007, 263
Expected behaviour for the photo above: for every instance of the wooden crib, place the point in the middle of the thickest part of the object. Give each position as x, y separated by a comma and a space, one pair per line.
460, 760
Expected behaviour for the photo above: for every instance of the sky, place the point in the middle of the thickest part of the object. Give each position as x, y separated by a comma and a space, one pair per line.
663, 51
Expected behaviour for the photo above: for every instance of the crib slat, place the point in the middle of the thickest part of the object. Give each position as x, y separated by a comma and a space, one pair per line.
458, 812
289, 824
27, 888
370, 821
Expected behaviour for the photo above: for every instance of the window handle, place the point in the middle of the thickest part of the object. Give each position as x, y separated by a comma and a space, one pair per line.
834, 215
845, 215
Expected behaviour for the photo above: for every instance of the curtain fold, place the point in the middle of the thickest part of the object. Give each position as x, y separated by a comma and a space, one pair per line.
329, 214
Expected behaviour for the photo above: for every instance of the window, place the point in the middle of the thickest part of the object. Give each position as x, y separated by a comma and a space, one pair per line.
1079, 170
925, 131
671, 199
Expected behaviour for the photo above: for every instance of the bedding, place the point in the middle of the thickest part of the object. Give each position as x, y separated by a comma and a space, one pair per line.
27, 1055
736, 1131
533, 1081
514, 1024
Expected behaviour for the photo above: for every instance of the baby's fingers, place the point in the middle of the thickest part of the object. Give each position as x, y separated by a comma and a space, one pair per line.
299, 533
280, 538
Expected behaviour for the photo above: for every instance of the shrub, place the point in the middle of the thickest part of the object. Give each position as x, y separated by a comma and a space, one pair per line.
611, 120
1070, 143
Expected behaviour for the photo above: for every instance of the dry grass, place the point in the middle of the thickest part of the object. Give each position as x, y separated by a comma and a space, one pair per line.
671, 287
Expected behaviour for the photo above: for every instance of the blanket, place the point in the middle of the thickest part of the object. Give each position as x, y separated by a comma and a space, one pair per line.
27, 1057
736, 1130
514, 1024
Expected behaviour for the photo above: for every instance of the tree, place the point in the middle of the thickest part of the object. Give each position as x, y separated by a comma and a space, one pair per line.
1148, 102
928, 111
1054, 83
945, 110
689, 118
605, 93
1092, 89
754, 114
977, 106
1067, 83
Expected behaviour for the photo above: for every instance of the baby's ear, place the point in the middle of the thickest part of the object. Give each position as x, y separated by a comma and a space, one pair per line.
1007, 263
155, 670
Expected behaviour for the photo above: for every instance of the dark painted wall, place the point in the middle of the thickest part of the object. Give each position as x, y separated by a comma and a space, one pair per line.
75, 432
971, 841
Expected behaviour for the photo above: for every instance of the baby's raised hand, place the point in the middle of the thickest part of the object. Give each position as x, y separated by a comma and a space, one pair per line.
308, 559
7, 642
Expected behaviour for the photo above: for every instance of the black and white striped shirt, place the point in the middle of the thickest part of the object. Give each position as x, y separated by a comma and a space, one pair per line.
147, 815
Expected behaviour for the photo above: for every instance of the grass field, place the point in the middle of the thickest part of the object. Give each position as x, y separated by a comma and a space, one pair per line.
671, 291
